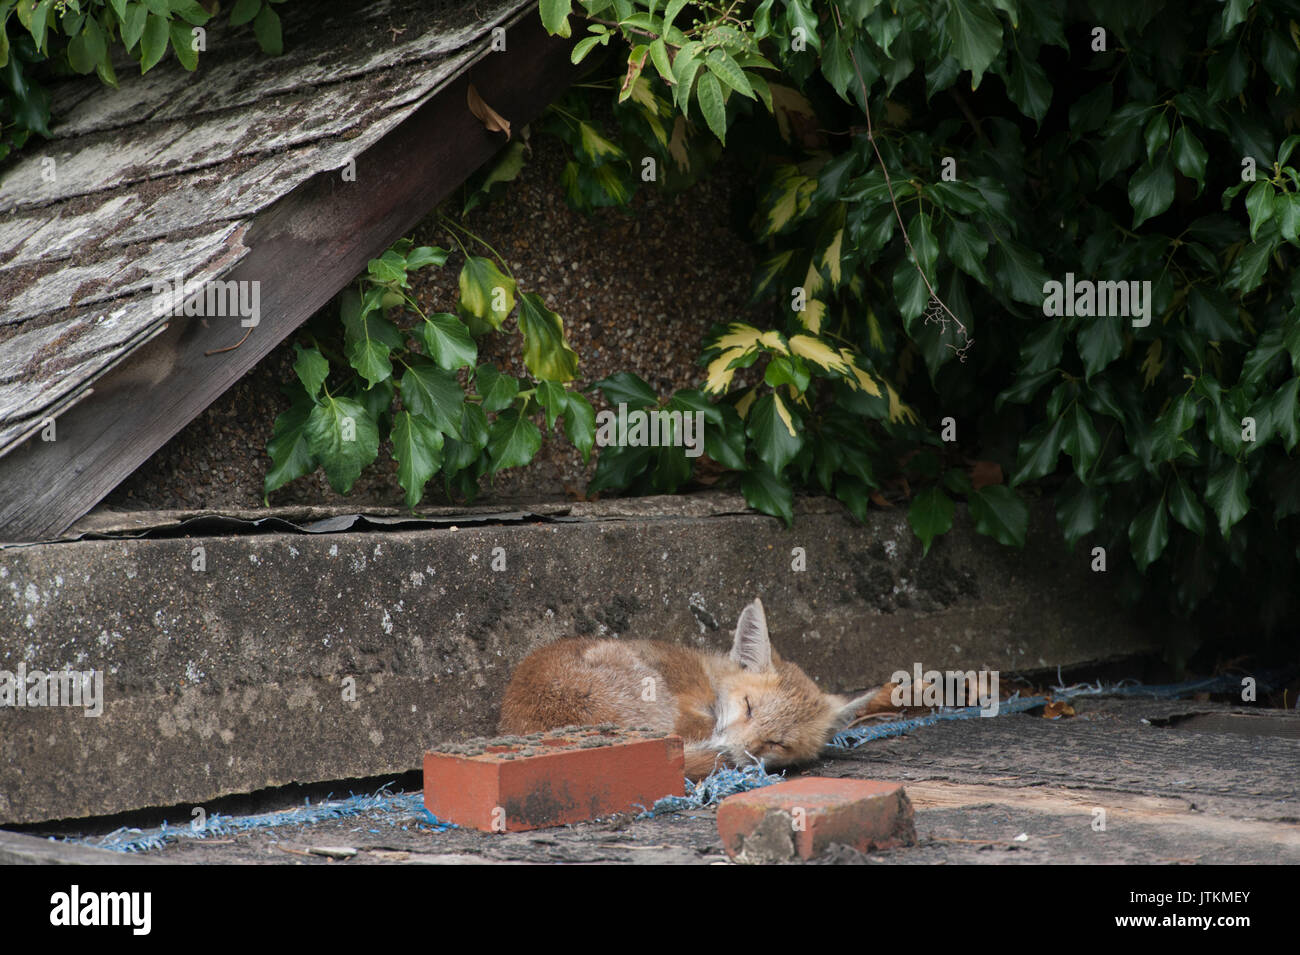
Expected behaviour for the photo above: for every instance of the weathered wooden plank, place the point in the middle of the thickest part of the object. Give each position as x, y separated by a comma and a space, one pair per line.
303, 250
54, 234
101, 161
119, 276
233, 72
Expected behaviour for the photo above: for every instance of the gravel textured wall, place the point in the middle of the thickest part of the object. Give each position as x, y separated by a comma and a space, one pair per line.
637, 289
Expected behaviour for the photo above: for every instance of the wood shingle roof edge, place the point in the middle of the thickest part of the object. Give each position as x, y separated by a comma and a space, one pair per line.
301, 249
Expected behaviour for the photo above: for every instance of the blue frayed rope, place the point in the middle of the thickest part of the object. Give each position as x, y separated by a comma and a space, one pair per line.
714, 788
395, 809
855, 737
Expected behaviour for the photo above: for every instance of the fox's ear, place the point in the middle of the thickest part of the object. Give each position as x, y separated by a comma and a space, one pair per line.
752, 649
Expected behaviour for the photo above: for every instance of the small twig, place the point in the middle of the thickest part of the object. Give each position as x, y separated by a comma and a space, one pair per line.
218, 351
889, 184
297, 852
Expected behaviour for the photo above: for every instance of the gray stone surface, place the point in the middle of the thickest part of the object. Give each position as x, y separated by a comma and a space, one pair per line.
233, 678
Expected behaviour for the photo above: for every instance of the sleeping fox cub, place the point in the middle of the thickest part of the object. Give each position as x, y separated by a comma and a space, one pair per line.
749, 704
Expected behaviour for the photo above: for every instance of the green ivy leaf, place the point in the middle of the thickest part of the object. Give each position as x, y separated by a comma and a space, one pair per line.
552, 398
1099, 341
1190, 156
555, 17
1185, 508
1029, 88
1000, 514
1225, 492
513, 440
389, 267
312, 369
153, 42
1079, 512
244, 11
483, 287
137, 16
1080, 440
777, 438
435, 394
800, 15
1039, 451
967, 248
1151, 190
1284, 414
546, 354
1259, 205
976, 36
580, 424
448, 342
768, 494
417, 449
930, 515
497, 390
625, 388
459, 454
344, 439
183, 44
290, 453
266, 27
426, 255
370, 357
1148, 534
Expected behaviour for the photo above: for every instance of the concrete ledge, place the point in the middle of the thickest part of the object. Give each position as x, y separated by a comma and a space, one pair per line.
18, 849
237, 677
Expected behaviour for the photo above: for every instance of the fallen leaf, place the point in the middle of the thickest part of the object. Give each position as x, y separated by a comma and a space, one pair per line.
1057, 709
879, 499
984, 473
486, 114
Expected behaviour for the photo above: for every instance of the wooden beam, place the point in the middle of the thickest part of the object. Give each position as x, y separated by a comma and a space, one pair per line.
303, 250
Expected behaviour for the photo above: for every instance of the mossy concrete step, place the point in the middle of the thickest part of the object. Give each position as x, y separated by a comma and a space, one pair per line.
309, 657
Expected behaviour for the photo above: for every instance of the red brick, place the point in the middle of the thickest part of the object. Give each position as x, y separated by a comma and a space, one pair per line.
804, 816
552, 779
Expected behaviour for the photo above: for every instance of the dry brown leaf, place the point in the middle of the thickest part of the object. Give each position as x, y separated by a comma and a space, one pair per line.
879, 499
984, 473
1057, 709
485, 113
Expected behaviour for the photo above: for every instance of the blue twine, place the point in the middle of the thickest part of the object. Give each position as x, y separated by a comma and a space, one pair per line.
712, 789
396, 809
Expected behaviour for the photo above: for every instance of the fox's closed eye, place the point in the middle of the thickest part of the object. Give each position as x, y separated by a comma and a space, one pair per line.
749, 710
774, 744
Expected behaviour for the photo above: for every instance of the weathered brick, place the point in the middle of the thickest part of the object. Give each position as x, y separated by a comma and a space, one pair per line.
564, 776
802, 817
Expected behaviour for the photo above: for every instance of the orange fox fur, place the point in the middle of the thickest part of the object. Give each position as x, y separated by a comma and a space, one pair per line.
728, 709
